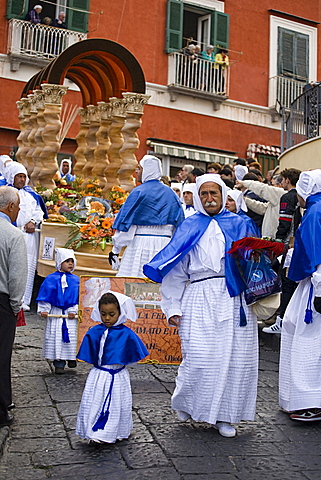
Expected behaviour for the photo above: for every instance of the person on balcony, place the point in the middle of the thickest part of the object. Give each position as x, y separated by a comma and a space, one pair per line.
59, 43
221, 63
146, 221
34, 15
206, 70
60, 21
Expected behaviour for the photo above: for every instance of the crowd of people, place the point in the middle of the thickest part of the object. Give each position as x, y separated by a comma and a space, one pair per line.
178, 234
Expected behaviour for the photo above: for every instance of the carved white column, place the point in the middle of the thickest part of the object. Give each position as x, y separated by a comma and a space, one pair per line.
39, 100
50, 134
79, 155
134, 106
118, 118
24, 121
91, 143
103, 143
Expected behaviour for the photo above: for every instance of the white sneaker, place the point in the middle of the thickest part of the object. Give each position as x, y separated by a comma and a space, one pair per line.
275, 328
225, 429
25, 307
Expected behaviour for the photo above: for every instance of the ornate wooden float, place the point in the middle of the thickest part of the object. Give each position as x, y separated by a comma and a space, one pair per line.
89, 261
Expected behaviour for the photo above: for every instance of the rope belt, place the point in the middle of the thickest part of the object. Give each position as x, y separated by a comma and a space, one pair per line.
150, 235
207, 278
103, 417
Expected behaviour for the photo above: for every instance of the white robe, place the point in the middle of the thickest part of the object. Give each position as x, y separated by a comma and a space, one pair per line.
143, 243
217, 379
29, 209
300, 355
53, 346
120, 422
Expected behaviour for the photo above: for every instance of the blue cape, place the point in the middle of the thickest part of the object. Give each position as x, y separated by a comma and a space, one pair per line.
151, 203
186, 237
253, 228
122, 346
51, 290
307, 252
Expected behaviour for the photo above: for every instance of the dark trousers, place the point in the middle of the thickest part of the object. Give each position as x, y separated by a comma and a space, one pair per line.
7, 333
288, 289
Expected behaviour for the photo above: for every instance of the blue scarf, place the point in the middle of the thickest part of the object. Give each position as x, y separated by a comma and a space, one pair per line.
151, 203
307, 252
186, 237
122, 346
51, 291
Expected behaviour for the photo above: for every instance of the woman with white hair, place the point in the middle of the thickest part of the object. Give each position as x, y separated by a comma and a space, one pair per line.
300, 356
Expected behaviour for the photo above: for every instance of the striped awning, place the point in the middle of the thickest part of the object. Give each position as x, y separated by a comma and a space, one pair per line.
254, 148
189, 153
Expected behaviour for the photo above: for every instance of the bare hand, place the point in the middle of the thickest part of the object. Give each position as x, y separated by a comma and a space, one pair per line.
174, 320
44, 314
239, 185
71, 315
30, 227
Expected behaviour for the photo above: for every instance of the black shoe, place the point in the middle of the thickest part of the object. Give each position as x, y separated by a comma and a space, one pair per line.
6, 420
11, 406
59, 370
72, 363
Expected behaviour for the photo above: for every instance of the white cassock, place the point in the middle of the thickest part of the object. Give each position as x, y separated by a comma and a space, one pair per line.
143, 243
29, 209
217, 379
300, 359
189, 210
120, 422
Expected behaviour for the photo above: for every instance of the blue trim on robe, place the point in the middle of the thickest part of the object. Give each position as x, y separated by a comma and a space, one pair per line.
37, 197
186, 237
151, 203
122, 346
253, 228
3, 181
69, 177
51, 290
307, 252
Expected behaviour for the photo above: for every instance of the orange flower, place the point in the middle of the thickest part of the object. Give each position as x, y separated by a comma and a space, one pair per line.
93, 232
119, 201
106, 223
90, 185
84, 228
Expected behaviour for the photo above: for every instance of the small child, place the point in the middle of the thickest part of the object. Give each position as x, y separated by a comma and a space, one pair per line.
105, 413
58, 295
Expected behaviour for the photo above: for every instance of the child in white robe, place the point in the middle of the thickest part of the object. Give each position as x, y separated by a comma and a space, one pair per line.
105, 413
58, 295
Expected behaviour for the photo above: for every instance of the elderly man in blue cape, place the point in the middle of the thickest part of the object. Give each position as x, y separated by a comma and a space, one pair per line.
202, 294
300, 356
147, 220
32, 211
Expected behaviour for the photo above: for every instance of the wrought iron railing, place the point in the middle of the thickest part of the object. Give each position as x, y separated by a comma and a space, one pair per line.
39, 41
201, 75
303, 120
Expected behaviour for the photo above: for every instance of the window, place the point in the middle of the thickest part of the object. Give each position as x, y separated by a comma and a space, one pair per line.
76, 11
185, 20
293, 54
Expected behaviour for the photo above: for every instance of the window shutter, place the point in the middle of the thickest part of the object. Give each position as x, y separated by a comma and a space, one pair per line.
77, 20
302, 57
17, 9
220, 29
174, 25
286, 52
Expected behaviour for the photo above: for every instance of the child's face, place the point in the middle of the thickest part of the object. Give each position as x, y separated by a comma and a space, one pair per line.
67, 265
109, 314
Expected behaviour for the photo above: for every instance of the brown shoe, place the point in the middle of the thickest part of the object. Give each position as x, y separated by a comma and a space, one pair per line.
59, 370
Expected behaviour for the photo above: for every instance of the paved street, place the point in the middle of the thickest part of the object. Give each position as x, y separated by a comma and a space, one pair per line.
42, 443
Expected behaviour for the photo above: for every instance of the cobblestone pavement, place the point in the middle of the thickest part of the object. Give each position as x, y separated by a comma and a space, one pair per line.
42, 443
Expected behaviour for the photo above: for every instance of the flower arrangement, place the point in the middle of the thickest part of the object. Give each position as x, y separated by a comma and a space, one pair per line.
97, 231
118, 197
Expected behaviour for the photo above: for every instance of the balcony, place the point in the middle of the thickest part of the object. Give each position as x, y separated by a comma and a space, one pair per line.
283, 90
197, 78
37, 44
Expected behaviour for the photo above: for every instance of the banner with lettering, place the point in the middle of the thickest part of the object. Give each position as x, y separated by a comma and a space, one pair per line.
161, 341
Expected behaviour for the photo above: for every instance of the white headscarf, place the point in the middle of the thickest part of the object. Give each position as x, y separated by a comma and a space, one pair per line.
127, 309
62, 254
238, 198
152, 168
5, 161
208, 177
240, 171
178, 186
309, 183
67, 160
188, 187
14, 169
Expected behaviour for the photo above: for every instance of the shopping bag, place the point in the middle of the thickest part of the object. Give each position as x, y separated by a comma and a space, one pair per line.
261, 279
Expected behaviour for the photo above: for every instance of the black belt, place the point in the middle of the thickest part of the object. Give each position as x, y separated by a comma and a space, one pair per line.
207, 278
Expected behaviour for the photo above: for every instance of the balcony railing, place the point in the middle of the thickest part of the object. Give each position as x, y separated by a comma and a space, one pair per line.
198, 75
284, 90
304, 119
40, 41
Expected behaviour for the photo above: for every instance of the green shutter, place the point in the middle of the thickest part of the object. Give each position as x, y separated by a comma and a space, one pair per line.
286, 51
174, 25
302, 57
77, 20
220, 30
17, 9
